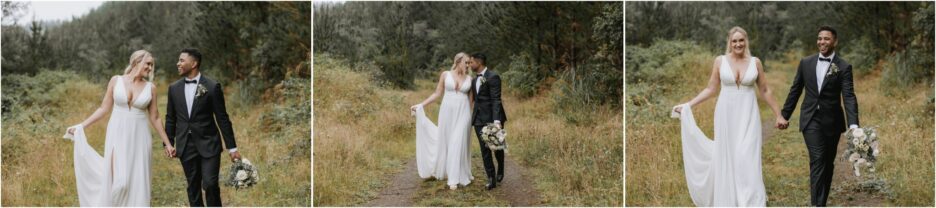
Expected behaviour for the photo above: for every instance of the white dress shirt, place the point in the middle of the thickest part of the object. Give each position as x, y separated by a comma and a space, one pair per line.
822, 68
190, 92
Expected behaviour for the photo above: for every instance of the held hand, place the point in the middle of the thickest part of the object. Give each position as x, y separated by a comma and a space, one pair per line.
414, 107
170, 151
71, 130
782, 123
678, 109
235, 156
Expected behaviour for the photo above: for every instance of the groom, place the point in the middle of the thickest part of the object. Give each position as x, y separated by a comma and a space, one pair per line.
828, 84
195, 104
487, 109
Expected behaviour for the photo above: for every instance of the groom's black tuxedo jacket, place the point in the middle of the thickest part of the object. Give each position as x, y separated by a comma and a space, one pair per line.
201, 124
825, 105
488, 106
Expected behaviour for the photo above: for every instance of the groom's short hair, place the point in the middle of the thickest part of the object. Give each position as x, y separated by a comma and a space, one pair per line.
830, 29
194, 54
480, 57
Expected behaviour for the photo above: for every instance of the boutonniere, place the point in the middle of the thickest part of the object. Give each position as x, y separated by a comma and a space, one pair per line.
833, 70
482, 79
201, 90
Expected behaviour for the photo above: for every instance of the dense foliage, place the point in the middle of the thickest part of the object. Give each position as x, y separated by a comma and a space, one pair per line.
532, 44
240, 40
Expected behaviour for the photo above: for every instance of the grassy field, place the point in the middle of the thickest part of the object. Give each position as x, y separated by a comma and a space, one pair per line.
38, 165
654, 163
364, 129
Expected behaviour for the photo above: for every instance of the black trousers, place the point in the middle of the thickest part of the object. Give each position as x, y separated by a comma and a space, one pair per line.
486, 156
201, 174
821, 141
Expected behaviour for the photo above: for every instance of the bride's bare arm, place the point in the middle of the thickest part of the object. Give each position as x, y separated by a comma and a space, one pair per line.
711, 88
155, 121
471, 94
438, 92
106, 105
764, 91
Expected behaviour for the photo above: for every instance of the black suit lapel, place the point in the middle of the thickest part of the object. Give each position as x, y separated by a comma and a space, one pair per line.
813, 63
486, 75
178, 91
201, 82
829, 78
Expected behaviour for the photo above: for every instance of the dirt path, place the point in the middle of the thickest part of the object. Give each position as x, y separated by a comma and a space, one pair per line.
401, 189
516, 188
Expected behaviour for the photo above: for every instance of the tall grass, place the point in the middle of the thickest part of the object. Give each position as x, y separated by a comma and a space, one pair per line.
572, 164
655, 175
37, 163
362, 133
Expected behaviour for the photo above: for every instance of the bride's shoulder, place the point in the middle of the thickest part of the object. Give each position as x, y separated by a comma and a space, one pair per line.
718, 60
113, 79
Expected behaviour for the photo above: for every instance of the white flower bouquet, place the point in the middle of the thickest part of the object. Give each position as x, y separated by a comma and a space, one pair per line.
863, 148
494, 137
242, 174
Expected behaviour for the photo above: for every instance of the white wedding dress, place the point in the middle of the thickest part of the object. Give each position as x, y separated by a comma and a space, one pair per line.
122, 176
726, 172
442, 151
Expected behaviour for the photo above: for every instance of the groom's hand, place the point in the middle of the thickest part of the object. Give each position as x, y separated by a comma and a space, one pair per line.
782, 123
170, 151
235, 156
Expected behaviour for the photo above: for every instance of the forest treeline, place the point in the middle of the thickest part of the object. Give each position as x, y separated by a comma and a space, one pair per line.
575, 48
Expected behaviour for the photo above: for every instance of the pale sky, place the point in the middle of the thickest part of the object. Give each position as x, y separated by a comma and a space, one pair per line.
57, 10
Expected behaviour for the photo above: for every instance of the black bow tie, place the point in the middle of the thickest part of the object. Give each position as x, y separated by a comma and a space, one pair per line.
825, 59
191, 81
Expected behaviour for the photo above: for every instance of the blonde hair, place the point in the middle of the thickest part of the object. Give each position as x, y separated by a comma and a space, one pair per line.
458, 58
736, 29
135, 59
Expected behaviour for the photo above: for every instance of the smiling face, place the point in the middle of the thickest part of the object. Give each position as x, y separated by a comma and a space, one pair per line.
826, 42
738, 43
186, 64
146, 66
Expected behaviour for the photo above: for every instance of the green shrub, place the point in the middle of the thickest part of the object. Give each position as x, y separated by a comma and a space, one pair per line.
906, 69
24, 91
652, 71
592, 85
861, 55
521, 76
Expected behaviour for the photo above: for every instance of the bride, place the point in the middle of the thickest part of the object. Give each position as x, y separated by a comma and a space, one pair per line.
122, 176
442, 151
727, 171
